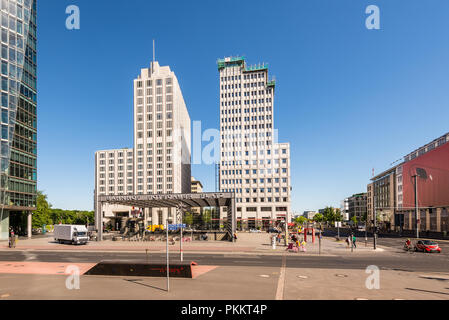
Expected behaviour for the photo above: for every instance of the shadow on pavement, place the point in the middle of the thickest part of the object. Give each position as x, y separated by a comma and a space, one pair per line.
143, 284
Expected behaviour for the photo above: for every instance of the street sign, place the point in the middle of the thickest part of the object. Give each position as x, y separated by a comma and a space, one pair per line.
176, 226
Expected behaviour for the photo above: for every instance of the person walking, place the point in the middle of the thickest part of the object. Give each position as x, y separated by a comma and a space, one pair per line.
348, 241
354, 240
12, 238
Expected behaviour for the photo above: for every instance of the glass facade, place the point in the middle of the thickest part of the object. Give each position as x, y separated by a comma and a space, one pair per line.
18, 147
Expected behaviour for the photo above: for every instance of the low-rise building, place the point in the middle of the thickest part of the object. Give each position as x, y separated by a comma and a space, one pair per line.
357, 206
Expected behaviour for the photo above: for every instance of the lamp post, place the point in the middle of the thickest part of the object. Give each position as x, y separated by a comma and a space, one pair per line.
421, 173
374, 217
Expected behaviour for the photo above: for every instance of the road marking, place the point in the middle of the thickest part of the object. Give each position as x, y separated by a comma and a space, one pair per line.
281, 281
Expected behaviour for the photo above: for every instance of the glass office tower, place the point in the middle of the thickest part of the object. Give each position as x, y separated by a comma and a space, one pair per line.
18, 150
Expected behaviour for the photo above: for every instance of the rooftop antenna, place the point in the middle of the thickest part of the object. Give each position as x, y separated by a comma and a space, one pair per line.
154, 57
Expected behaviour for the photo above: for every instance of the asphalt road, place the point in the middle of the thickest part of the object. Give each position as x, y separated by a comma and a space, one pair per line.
395, 260
394, 242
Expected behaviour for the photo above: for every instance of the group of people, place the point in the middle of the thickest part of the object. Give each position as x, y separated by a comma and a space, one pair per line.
351, 240
300, 245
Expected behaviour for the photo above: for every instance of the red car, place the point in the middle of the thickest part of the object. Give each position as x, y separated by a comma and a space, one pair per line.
427, 246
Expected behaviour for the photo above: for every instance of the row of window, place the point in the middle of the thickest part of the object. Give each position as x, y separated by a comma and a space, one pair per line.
149, 100
254, 181
245, 102
21, 199
112, 154
248, 127
237, 163
269, 199
150, 91
246, 119
249, 76
168, 107
260, 190
253, 171
149, 83
246, 110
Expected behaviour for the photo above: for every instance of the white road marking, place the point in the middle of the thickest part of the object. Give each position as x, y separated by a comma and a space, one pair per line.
281, 281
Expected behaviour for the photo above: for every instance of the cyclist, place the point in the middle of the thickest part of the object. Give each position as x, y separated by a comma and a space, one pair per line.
408, 244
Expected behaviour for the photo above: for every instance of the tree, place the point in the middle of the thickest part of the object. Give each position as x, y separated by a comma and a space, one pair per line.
318, 217
354, 219
329, 214
207, 217
42, 214
188, 218
338, 215
301, 220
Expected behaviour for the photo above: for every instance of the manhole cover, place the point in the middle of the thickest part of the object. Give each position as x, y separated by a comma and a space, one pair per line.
341, 275
302, 277
264, 276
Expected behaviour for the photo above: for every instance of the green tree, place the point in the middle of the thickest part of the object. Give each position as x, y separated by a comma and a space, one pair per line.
338, 215
354, 219
301, 220
329, 214
207, 217
42, 214
188, 218
318, 217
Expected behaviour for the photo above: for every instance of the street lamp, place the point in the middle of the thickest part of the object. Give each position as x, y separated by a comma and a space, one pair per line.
421, 173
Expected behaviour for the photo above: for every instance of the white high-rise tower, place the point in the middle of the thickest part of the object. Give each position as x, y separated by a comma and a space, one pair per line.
161, 136
252, 163
159, 163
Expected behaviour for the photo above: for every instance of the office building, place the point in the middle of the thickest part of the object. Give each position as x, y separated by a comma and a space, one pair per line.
18, 146
391, 194
197, 186
159, 163
114, 175
252, 164
357, 207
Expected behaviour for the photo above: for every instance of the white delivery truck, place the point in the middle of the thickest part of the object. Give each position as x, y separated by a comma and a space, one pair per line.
65, 233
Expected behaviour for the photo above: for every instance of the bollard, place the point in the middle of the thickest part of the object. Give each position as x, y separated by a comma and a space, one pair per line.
273, 242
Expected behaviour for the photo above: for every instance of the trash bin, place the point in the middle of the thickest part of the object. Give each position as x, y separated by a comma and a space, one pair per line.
44, 229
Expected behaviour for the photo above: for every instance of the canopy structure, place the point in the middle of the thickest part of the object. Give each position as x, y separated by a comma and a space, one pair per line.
181, 201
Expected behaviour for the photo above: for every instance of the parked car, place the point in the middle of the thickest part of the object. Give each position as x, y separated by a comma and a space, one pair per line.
427, 246
273, 230
255, 230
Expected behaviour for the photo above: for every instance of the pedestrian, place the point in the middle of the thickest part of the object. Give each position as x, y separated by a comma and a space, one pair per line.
354, 241
348, 241
12, 238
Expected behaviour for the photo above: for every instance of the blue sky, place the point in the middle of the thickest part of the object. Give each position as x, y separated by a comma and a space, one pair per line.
348, 99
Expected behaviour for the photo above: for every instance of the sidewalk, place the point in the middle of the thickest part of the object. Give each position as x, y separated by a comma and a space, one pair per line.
250, 243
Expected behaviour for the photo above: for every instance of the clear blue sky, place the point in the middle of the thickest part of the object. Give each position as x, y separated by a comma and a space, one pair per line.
348, 99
